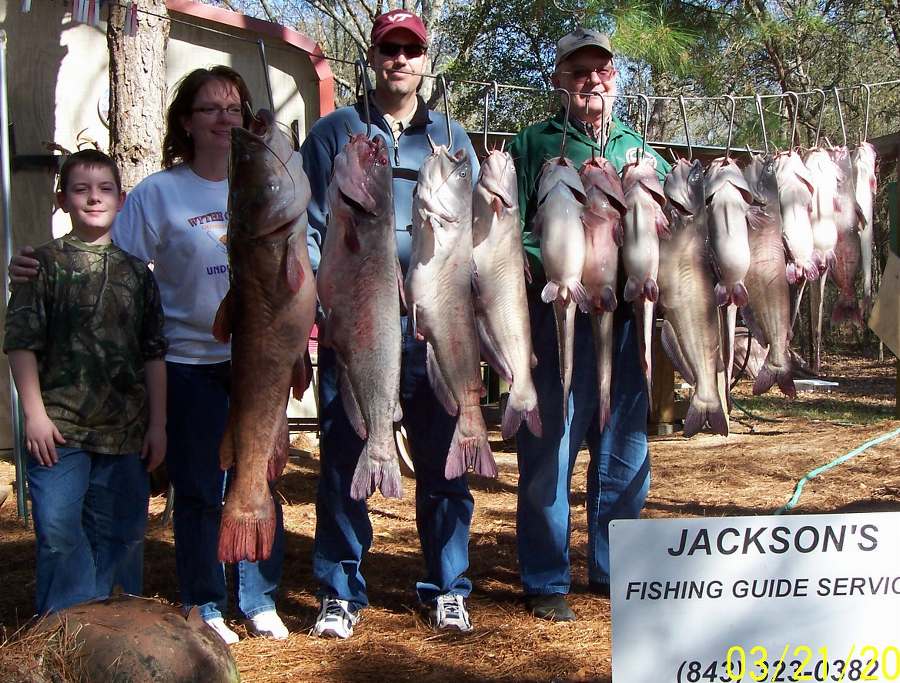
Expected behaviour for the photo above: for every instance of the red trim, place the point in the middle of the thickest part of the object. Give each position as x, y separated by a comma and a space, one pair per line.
266, 28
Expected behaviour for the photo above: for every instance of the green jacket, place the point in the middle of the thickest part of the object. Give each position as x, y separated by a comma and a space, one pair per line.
540, 142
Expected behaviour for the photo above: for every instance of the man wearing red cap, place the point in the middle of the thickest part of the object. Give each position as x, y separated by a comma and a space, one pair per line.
443, 507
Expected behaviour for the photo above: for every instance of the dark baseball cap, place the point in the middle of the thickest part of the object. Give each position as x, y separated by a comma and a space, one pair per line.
396, 19
579, 38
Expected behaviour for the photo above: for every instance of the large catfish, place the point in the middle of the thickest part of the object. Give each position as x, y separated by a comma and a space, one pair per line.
865, 185
439, 296
824, 174
358, 284
602, 220
645, 224
501, 306
728, 199
558, 222
848, 251
795, 188
768, 315
826, 208
268, 314
690, 332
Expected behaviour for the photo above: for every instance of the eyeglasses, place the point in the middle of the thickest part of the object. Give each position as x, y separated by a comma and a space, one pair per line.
234, 111
583, 73
394, 49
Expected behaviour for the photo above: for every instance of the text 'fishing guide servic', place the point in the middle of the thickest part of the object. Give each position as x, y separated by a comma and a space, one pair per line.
805, 597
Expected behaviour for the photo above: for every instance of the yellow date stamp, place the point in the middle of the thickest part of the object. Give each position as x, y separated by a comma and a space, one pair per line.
793, 662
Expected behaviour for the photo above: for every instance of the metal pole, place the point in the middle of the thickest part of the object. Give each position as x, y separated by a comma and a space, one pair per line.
5, 192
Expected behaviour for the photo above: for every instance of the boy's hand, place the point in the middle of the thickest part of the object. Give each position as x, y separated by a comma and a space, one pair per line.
22, 267
154, 448
41, 438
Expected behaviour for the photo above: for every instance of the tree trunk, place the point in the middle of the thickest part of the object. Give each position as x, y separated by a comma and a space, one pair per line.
137, 90
892, 16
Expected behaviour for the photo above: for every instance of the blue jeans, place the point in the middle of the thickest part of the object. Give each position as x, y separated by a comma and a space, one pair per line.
90, 515
619, 471
443, 507
197, 410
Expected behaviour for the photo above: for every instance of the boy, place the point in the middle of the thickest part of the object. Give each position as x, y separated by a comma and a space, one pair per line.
86, 351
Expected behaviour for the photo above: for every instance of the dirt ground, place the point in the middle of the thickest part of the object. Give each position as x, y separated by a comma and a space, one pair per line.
751, 472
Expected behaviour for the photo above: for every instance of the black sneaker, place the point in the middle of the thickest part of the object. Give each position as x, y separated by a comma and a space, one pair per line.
552, 607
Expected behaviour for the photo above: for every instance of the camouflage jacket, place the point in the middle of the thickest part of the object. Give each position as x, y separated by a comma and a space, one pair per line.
92, 316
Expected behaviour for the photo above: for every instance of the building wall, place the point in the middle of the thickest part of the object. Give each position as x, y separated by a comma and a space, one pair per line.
58, 93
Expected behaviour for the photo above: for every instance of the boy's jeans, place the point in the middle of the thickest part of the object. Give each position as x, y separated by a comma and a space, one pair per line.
90, 514
618, 475
197, 410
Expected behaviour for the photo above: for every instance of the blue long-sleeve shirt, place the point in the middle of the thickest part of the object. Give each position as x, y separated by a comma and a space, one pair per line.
329, 135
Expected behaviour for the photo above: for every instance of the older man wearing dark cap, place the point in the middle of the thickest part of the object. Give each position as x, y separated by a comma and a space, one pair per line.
619, 470
443, 507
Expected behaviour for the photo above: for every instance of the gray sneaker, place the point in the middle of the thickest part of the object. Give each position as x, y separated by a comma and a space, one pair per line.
449, 613
336, 619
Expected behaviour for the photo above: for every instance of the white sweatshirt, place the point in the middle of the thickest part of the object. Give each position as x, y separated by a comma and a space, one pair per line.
178, 221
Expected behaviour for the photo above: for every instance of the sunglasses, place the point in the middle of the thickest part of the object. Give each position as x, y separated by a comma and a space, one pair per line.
394, 49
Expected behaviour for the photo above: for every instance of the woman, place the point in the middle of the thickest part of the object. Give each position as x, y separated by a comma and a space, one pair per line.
177, 219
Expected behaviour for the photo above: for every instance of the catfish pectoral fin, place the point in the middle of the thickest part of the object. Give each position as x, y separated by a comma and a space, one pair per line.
221, 329
301, 375
293, 264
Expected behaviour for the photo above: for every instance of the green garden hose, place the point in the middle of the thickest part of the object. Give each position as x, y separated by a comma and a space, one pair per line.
834, 463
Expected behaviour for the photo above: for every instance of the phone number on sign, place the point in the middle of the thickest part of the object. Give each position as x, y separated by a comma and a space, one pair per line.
795, 663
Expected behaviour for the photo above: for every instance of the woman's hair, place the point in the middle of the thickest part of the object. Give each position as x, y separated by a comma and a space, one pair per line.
177, 144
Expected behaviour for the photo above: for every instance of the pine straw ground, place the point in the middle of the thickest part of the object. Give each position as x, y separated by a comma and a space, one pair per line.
749, 473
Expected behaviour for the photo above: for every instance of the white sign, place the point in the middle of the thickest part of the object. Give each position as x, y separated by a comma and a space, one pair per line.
798, 598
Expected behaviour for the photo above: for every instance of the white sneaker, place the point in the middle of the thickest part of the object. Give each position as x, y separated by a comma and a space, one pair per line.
450, 613
218, 625
335, 620
268, 625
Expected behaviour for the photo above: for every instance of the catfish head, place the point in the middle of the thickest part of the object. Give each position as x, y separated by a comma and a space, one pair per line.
363, 175
641, 175
268, 189
599, 173
684, 188
444, 190
498, 181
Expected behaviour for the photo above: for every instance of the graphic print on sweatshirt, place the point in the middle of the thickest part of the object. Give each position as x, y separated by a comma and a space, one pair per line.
215, 228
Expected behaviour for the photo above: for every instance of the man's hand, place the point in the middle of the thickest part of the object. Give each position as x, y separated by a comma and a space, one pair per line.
22, 267
154, 448
41, 439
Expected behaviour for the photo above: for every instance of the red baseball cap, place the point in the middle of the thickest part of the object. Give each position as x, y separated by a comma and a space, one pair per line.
395, 19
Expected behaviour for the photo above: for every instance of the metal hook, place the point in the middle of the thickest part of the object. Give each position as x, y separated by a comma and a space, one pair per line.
687, 132
363, 77
487, 93
837, 103
562, 144
604, 125
865, 130
762, 123
731, 99
821, 114
443, 82
646, 101
795, 98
